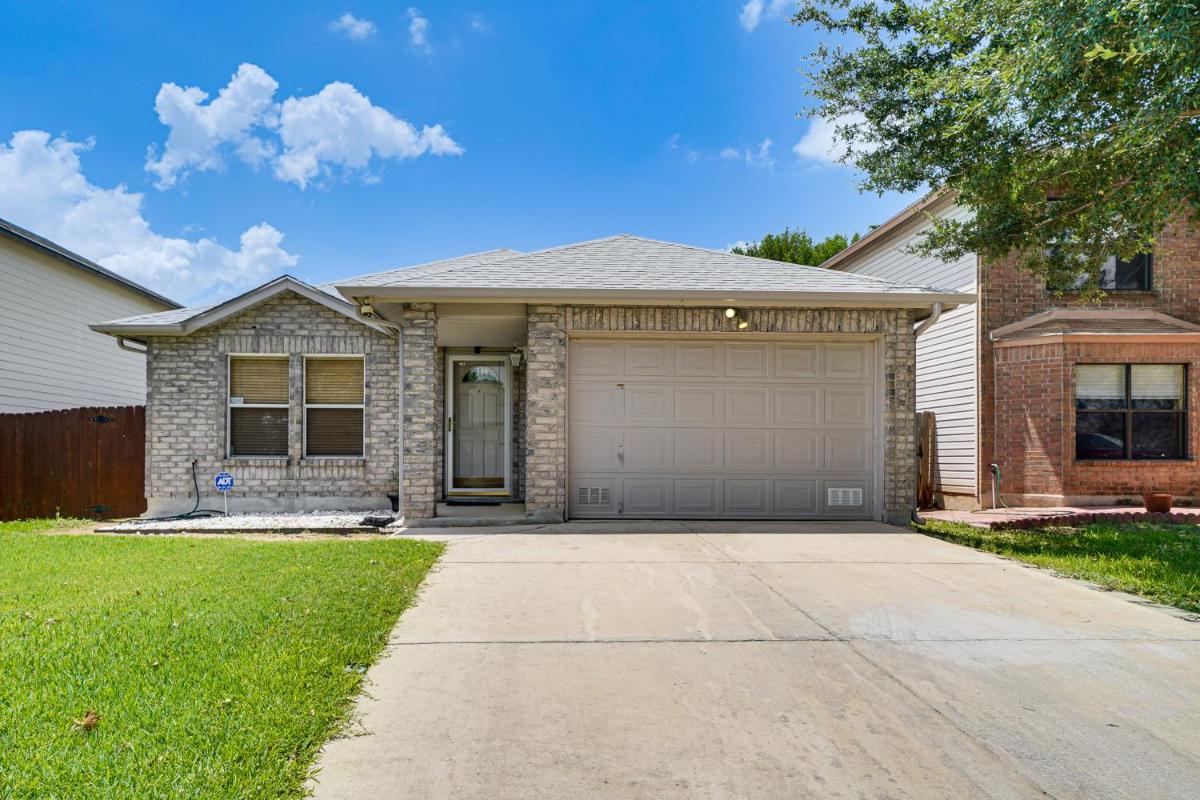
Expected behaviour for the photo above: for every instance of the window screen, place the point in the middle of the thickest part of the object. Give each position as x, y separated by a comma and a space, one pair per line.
258, 406
333, 406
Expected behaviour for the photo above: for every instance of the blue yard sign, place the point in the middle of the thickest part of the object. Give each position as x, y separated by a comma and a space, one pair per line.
223, 481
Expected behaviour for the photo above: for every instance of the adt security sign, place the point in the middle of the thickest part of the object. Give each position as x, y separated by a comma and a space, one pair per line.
224, 483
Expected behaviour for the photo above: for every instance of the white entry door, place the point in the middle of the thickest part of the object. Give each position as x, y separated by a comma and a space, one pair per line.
477, 425
723, 428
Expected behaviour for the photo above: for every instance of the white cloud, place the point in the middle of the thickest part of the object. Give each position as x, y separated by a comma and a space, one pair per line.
43, 188
301, 138
758, 156
821, 142
198, 130
339, 126
353, 27
753, 11
761, 157
418, 31
478, 22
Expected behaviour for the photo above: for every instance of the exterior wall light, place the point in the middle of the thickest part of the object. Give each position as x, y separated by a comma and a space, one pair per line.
743, 324
515, 357
730, 313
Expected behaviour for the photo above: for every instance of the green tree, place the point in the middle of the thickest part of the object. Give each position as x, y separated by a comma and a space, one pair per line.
795, 247
1071, 130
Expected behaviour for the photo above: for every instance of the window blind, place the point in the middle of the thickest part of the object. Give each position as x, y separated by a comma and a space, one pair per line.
1157, 382
258, 431
335, 431
1100, 381
259, 380
334, 381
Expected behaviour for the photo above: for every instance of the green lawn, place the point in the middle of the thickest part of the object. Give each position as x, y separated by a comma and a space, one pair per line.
218, 666
1159, 562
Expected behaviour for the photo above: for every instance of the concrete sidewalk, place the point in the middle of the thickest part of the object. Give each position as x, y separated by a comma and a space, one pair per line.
800, 660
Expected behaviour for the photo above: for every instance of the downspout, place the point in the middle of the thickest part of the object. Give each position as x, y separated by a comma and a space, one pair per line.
400, 423
935, 313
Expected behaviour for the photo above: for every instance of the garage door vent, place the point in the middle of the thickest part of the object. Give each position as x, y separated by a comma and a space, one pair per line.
845, 497
594, 496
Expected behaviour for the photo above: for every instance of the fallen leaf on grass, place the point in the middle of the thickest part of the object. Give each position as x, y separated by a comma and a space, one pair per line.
89, 722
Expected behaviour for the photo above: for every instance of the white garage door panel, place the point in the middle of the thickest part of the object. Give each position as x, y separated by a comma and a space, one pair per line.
722, 428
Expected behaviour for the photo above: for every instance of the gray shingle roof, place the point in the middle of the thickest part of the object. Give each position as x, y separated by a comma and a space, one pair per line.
1102, 321
628, 262
397, 277
172, 317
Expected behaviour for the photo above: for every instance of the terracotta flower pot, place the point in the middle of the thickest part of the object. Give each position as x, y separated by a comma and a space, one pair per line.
1157, 503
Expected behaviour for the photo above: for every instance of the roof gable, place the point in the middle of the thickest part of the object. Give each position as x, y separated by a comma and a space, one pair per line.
185, 321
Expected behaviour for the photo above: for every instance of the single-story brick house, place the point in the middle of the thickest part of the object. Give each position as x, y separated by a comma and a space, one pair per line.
621, 377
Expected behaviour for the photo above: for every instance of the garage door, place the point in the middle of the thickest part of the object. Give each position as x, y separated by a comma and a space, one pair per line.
730, 429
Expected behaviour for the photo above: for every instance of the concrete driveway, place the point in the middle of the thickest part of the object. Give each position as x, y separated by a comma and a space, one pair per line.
743, 660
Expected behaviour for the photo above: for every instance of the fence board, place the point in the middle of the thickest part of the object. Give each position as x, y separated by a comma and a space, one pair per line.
72, 463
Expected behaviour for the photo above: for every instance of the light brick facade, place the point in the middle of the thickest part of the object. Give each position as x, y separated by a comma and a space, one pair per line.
186, 418
1026, 393
186, 414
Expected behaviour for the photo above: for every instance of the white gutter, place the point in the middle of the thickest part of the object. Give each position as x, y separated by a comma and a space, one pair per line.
935, 313
123, 343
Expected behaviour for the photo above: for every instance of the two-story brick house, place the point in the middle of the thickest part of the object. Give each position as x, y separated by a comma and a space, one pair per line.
1074, 402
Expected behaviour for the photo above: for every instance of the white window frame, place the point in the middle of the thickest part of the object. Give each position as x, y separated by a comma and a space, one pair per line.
230, 405
360, 406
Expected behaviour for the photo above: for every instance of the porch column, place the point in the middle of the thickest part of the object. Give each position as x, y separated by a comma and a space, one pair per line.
546, 415
422, 411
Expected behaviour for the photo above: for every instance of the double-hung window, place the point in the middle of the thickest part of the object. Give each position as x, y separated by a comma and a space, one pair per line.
1130, 411
258, 406
333, 406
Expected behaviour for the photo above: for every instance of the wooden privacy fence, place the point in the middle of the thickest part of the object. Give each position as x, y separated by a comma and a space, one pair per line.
81, 462
926, 459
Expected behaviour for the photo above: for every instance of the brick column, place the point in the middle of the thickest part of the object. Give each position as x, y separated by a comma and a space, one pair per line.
546, 414
422, 411
900, 415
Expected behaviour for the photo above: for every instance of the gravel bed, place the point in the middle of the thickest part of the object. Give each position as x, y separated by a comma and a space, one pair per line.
323, 520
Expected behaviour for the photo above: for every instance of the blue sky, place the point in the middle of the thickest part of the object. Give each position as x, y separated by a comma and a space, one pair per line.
401, 134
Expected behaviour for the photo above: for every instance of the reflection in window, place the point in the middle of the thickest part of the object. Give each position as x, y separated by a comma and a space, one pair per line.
479, 374
1130, 411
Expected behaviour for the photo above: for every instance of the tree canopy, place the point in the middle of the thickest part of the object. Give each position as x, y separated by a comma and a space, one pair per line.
795, 247
1071, 129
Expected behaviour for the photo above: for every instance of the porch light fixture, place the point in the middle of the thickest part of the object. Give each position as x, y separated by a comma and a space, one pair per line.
515, 357
730, 313
743, 324
367, 310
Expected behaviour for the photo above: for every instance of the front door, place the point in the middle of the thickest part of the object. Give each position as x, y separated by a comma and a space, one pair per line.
477, 425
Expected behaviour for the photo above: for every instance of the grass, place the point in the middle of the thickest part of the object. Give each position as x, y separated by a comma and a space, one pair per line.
1156, 561
218, 666
51, 524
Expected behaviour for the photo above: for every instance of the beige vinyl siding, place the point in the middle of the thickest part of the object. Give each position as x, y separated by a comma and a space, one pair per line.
946, 353
49, 358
